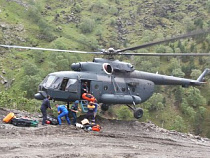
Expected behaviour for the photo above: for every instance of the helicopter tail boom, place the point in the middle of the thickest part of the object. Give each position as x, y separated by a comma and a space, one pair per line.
201, 77
159, 79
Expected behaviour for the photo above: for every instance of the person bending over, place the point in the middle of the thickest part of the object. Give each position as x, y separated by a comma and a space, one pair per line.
62, 110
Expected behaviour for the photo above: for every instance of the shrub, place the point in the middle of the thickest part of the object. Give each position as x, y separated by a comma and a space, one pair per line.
178, 124
30, 69
124, 113
87, 25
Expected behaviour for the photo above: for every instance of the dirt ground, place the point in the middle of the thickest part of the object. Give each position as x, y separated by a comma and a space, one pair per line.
117, 139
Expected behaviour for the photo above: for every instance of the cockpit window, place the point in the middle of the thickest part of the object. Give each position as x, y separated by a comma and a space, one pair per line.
71, 82
66, 83
56, 84
48, 81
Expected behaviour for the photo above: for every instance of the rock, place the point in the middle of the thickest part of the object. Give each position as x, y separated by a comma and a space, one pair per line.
3, 71
4, 26
48, 7
19, 27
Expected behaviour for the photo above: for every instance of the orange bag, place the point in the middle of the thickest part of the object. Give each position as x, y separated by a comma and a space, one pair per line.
88, 97
9, 117
96, 128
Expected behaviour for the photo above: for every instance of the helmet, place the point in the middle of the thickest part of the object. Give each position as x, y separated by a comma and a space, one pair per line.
76, 102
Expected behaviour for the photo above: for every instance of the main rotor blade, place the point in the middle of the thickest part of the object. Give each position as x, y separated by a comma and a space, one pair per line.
191, 34
48, 49
165, 54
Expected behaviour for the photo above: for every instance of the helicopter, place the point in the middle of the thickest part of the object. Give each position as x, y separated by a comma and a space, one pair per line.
112, 81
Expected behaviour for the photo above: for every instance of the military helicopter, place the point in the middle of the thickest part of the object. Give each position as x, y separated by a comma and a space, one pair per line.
111, 81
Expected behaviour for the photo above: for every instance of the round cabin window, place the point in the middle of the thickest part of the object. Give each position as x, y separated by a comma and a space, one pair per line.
105, 88
96, 86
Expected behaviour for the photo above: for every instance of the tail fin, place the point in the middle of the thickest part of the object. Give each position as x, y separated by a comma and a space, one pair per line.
201, 77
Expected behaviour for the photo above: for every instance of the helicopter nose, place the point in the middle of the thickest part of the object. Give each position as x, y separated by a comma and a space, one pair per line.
39, 96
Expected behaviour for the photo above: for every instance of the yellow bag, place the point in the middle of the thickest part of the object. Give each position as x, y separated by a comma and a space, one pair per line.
9, 117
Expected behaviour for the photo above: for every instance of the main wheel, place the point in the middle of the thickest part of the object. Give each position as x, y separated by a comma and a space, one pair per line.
104, 107
138, 113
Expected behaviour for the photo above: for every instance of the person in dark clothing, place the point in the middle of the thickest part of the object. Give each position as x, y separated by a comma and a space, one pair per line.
45, 105
74, 111
85, 87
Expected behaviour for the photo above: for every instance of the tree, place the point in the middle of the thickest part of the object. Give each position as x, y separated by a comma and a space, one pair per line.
148, 36
113, 10
190, 112
184, 106
178, 72
30, 84
30, 68
189, 24
208, 6
38, 56
178, 94
150, 64
199, 118
175, 66
155, 102
62, 65
199, 23
124, 113
194, 97
78, 8
179, 124
195, 73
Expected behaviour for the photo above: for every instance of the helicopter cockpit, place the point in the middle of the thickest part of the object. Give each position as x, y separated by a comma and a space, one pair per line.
57, 86
58, 83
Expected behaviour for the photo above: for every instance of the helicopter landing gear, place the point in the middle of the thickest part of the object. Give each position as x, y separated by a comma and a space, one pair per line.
104, 107
137, 112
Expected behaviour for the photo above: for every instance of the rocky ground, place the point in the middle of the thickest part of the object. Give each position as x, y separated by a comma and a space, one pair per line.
117, 139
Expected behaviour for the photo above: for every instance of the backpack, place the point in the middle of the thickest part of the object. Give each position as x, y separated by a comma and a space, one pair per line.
24, 122
53, 121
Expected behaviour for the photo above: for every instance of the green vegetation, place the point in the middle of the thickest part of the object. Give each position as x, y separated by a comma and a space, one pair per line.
94, 25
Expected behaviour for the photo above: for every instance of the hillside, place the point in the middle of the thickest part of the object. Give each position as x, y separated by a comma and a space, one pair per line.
94, 25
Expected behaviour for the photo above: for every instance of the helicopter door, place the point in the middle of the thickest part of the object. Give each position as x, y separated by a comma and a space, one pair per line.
96, 88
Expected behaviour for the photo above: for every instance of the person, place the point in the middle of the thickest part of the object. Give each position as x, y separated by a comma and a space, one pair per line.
62, 110
74, 110
45, 105
85, 87
95, 109
90, 113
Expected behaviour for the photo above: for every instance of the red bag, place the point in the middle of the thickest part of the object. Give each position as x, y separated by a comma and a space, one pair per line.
88, 97
96, 128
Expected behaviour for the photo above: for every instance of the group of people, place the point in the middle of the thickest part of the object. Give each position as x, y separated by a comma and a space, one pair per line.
64, 112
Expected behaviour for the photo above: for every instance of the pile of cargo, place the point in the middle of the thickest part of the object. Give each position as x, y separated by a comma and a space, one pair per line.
21, 122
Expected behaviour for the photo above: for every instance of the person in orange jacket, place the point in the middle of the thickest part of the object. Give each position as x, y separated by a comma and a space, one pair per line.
90, 113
